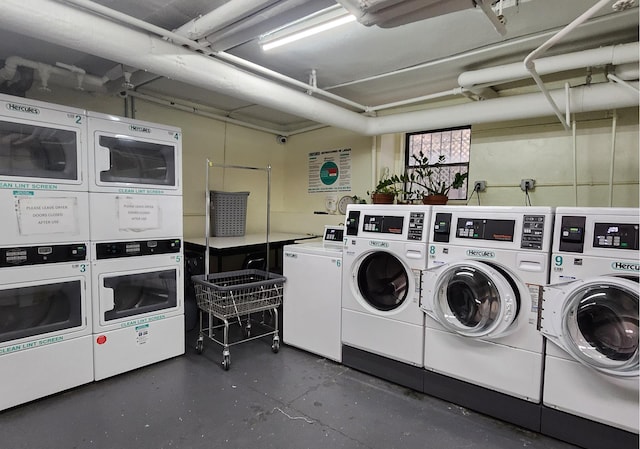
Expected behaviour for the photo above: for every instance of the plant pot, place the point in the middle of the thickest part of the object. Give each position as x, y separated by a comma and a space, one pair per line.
382, 198
436, 200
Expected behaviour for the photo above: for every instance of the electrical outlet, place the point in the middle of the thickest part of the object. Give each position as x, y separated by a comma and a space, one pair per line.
527, 184
480, 186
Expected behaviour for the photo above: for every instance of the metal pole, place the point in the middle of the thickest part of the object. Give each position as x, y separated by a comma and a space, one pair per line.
268, 211
207, 218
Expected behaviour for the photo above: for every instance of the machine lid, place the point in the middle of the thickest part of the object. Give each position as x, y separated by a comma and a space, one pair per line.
475, 299
383, 281
600, 324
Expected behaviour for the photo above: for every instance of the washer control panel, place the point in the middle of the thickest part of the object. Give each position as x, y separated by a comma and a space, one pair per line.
532, 232
416, 226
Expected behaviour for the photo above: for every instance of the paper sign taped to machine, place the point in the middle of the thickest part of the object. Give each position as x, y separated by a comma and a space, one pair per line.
138, 214
47, 215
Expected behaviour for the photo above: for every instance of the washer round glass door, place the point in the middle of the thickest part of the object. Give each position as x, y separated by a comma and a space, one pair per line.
475, 299
382, 280
600, 320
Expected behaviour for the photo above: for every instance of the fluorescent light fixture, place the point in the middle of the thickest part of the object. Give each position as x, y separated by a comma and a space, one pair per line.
308, 26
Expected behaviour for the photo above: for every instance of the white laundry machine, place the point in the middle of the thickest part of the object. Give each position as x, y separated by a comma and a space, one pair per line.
590, 318
45, 321
43, 173
487, 268
138, 307
42, 146
383, 259
128, 156
312, 295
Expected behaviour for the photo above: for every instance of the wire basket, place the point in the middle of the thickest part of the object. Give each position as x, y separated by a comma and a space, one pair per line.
238, 293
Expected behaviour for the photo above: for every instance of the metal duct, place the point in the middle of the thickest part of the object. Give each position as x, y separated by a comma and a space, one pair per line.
74, 28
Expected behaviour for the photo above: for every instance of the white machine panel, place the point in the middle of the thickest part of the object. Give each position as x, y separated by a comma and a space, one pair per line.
133, 157
42, 146
131, 217
43, 216
312, 298
45, 330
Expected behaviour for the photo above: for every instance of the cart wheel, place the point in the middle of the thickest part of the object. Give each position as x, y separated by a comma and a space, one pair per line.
226, 362
199, 346
275, 346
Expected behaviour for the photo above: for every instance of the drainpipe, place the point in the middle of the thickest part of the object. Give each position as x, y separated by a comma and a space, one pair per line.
530, 64
574, 146
44, 71
614, 125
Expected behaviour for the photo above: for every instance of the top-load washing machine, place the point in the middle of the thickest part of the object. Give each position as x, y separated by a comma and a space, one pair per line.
487, 267
43, 173
383, 259
311, 301
590, 318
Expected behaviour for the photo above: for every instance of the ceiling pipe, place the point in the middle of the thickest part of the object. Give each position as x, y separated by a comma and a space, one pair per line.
52, 21
614, 55
204, 48
44, 71
529, 61
221, 17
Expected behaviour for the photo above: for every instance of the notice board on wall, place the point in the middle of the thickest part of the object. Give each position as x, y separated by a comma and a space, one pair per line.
330, 171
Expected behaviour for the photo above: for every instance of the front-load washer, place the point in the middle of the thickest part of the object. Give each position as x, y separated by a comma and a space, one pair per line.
138, 307
45, 321
383, 259
128, 156
312, 295
487, 267
590, 318
43, 146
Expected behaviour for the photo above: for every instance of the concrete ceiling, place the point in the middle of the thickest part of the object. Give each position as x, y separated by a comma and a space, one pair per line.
368, 65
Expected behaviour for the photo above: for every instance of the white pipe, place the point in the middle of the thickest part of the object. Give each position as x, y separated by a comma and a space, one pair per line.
53, 22
596, 97
622, 82
614, 54
575, 161
177, 38
221, 17
614, 124
197, 111
478, 53
43, 70
531, 57
374, 162
446, 93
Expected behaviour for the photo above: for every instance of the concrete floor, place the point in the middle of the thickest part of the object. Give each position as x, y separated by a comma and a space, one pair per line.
287, 400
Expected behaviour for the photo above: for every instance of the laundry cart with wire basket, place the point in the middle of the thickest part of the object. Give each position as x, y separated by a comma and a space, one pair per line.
244, 296
236, 296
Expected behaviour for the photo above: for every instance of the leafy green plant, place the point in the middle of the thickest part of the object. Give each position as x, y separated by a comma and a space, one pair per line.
429, 176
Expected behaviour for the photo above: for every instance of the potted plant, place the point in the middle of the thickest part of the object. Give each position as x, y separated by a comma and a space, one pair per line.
430, 179
385, 191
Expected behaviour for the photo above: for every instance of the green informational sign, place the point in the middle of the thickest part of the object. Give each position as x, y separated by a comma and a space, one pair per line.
330, 171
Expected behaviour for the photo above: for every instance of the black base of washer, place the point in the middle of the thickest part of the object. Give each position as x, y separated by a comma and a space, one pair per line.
392, 370
584, 432
498, 405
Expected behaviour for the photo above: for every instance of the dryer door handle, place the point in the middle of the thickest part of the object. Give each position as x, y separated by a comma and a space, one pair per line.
102, 160
107, 302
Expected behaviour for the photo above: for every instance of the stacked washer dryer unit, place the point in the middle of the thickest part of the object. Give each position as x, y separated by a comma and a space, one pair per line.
590, 317
136, 241
487, 268
383, 259
45, 284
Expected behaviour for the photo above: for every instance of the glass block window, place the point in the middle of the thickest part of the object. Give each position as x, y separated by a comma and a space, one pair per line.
447, 151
